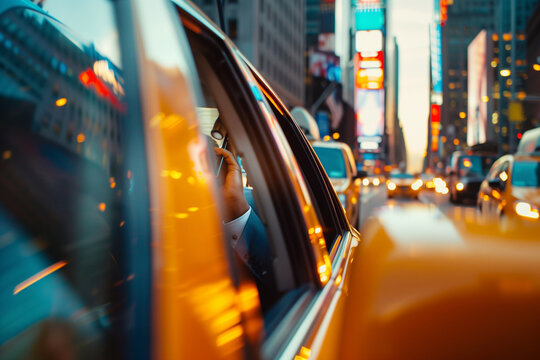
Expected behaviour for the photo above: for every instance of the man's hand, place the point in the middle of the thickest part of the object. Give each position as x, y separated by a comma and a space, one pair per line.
232, 189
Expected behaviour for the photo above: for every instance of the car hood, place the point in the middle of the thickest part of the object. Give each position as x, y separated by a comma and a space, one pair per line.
528, 194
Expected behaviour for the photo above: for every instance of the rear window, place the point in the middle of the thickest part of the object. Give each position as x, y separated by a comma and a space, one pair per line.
477, 164
333, 162
526, 173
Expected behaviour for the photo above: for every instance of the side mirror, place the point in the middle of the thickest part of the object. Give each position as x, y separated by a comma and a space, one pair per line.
495, 184
360, 174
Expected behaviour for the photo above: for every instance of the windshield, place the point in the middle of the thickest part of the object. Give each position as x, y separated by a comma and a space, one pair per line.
526, 173
477, 164
332, 161
401, 176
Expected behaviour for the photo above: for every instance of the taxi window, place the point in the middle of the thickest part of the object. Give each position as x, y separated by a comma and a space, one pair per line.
64, 184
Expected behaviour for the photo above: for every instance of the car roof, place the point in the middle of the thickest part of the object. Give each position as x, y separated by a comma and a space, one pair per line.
523, 157
330, 144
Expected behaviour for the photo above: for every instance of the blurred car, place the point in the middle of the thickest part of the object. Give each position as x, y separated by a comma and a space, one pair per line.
372, 180
467, 171
338, 161
112, 241
404, 184
512, 189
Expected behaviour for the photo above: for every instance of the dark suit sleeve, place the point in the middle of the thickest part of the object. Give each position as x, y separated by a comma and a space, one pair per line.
259, 258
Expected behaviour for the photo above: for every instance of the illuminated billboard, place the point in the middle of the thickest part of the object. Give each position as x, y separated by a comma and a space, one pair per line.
324, 65
369, 19
435, 115
436, 58
369, 110
368, 40
369, 74
479, 82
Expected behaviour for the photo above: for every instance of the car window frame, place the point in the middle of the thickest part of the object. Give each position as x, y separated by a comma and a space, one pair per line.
315, 170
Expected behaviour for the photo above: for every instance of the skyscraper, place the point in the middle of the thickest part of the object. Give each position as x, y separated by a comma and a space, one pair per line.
271, 35
506, 21
465, 20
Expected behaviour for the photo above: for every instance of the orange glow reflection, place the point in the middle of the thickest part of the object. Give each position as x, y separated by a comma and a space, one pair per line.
61, 102
80, 138
229, 335
40, 275
102, 207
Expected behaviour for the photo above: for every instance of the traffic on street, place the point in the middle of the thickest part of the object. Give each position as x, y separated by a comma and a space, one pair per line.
269, 179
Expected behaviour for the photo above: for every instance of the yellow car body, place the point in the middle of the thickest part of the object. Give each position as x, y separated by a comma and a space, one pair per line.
426, 287
511, 189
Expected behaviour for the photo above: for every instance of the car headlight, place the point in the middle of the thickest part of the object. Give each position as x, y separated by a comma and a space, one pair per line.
376, 182
343, 200
391, 186
460, 186
365, 182
416, 185
526, 210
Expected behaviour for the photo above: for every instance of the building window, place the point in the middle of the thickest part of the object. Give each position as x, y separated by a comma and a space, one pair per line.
233, 28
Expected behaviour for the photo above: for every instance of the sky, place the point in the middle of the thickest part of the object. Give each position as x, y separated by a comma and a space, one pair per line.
410, 22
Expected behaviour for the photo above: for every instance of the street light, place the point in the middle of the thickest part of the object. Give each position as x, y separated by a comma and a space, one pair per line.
505, 72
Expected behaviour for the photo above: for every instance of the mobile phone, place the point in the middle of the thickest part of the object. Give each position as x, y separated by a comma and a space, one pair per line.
220, 158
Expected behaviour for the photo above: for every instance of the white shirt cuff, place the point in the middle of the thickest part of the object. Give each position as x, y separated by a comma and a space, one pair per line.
234, 228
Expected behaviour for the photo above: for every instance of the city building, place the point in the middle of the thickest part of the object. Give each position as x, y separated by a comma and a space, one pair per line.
505, 22
87, 128
465, 19
271, 35
510, 64
532, 86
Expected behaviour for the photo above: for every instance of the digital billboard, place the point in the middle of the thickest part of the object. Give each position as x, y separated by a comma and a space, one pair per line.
369, 74
479, 81
369, 19
436, 58
324, 65
369, 110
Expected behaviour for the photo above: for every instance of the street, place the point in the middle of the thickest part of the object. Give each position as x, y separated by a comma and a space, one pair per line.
374, 198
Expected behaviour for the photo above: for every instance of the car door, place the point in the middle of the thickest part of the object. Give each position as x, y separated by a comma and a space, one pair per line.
299, 210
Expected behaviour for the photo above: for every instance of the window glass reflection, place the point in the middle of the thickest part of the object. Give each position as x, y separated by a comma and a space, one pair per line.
62, 187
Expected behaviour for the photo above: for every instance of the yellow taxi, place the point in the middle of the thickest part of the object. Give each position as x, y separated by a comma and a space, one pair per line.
511, 189
338, 161
113, 240
434, 285
405, 184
